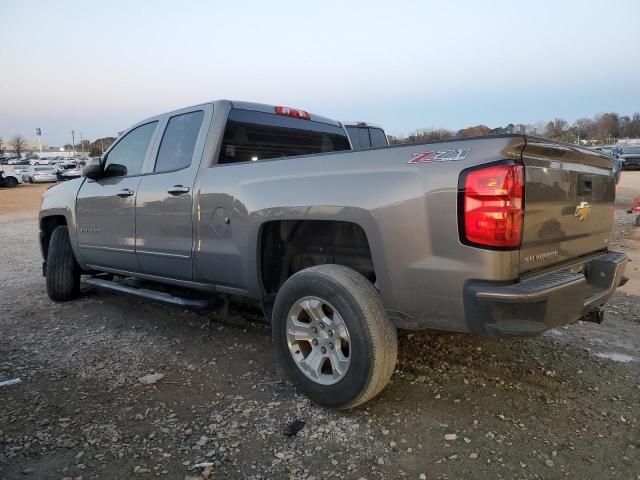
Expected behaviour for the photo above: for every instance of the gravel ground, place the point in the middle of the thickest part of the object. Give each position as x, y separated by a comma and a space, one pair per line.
458, 406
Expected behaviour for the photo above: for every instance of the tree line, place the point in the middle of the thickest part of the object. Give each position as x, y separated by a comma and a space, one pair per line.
19, 145
602, 129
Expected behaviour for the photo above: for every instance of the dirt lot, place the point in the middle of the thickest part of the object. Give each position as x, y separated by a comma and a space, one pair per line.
557, 406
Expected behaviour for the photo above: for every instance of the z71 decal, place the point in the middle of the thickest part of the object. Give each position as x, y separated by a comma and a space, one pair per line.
440, 155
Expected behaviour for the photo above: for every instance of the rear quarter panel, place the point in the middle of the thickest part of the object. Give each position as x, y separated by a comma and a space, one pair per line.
408, 212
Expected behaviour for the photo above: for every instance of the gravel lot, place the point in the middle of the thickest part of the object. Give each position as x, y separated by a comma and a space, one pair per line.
458, 406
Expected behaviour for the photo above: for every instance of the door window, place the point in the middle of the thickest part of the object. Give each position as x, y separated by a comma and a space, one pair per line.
178, 142
127, 156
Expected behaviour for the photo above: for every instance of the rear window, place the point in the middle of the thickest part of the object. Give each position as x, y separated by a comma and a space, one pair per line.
252, 136
366, 137
378, 138
42, 169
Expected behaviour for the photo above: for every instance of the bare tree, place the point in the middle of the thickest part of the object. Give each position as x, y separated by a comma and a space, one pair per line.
19, 144
556, 128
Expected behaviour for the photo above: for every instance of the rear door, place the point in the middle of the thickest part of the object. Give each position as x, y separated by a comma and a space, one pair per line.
164, 207
569, 203
105, 208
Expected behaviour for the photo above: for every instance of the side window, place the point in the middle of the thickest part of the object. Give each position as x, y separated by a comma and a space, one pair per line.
179, 141
378, 138
127, 156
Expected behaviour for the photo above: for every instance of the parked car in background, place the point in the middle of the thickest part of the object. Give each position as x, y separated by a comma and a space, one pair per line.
611, 150
365, 135
630, 157
9, 179
40, 174
20, 170
71, 171
40, 161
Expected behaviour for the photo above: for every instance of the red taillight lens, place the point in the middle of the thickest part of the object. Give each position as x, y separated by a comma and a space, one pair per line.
492, 206
292, 112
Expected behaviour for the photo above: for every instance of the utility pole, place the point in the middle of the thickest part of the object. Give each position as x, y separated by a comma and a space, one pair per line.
39, 134
81, 144
101, 147
73, 141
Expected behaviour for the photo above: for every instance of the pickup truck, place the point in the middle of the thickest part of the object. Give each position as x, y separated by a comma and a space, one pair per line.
502, 235
365, 135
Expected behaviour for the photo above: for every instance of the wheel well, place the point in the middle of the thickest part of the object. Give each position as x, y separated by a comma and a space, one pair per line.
47, 226
288, 246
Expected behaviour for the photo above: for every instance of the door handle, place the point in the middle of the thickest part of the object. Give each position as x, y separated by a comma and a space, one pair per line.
178, 190
126, 192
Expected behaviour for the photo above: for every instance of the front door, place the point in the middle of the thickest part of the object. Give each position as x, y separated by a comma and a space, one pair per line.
164, 207
105, 208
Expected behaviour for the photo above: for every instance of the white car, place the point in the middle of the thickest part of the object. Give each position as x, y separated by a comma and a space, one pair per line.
40, 161
9, 179
40, 175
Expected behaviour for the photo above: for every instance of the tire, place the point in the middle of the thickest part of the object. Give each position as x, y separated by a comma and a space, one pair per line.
11, 182
30, 179
63, 272
371, 339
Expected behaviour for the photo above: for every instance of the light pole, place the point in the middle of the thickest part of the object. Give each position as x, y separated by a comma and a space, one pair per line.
73, 141
39, 134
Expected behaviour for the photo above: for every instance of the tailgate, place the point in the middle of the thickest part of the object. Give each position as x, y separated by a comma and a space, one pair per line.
569, 203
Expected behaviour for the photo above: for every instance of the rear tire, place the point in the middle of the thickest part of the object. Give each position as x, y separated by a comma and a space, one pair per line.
11, 182
337, 297
63, 272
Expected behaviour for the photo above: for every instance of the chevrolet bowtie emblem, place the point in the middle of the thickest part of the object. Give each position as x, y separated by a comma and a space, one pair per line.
583, 210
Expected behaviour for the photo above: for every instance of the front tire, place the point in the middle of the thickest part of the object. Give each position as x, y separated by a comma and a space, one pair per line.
11, 182
63, 272
332, 336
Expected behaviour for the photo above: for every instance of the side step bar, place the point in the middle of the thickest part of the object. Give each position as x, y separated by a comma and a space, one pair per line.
154, 295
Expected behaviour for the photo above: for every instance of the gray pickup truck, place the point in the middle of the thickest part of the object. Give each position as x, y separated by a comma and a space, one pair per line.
504, 235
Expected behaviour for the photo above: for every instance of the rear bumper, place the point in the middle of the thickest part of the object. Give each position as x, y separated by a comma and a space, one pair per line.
544, 301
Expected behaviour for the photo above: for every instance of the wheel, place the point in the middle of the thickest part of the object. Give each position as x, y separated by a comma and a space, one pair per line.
30, 179
11, 182
332, 336
63, 272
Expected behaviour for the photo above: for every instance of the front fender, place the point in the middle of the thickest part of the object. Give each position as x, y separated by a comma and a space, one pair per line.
60, 200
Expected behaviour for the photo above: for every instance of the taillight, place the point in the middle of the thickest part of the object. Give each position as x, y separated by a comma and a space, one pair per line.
292, 112
491, 206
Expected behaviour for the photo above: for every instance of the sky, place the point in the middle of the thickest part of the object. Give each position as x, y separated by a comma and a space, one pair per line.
98, 67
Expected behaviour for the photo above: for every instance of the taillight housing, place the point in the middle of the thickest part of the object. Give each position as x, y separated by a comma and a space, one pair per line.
491, 206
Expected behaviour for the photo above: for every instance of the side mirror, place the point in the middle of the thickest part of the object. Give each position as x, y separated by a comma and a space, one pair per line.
93, 169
